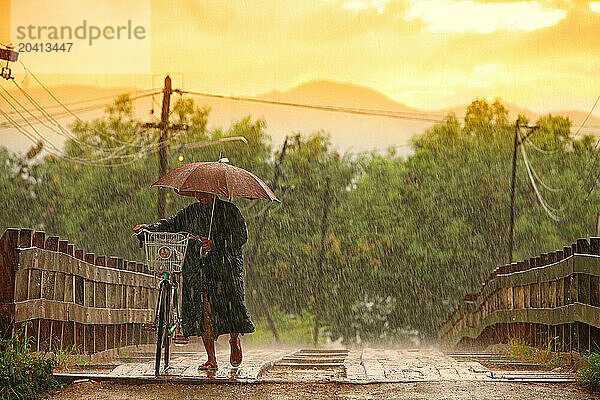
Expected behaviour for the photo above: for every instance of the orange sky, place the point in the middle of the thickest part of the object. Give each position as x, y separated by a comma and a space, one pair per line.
544, 55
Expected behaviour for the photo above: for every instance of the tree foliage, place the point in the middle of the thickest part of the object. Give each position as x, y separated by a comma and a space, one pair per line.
407, 237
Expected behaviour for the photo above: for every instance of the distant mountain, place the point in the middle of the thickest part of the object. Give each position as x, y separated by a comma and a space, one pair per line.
326, 92
348, 131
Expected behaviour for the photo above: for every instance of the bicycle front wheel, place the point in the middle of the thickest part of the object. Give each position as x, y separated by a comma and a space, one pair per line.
162, 334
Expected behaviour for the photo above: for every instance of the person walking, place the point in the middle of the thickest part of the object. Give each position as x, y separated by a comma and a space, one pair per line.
213, 298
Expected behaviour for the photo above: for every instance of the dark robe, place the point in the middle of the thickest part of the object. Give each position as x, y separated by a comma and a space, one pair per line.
222, 270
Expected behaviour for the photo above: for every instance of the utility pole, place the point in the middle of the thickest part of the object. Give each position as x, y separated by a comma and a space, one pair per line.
164, 142
320, 263
162, 150
517, 143
511, 238
250, 263
9, 55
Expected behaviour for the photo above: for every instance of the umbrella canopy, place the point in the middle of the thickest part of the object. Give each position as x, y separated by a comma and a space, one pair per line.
217, 178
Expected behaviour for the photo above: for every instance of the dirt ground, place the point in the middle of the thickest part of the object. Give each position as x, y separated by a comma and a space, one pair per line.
263, 391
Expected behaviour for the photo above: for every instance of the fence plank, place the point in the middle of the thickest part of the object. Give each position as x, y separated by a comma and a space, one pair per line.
68, 298
52, 243
562, 282
25, 236
39, 239
62, 246
8, 262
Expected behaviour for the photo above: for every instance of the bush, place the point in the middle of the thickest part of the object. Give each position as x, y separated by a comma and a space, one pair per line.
23, 374
589, 375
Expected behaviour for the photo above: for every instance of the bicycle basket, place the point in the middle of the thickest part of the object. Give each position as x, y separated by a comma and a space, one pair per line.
165, 251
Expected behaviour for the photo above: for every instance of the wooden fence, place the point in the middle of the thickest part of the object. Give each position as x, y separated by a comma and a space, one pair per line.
63, 297
553, 299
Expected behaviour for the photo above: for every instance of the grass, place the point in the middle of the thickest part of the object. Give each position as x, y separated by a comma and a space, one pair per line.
544, 356
587, 367
63, 358
23, 374
292, 330
589, 375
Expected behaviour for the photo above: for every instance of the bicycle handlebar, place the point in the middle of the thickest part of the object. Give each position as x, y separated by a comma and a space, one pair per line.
144, 230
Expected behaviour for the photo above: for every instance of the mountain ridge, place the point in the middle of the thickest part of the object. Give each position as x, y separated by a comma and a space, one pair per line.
347, 131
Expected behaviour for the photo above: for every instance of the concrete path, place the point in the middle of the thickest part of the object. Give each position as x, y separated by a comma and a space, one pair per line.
364, 366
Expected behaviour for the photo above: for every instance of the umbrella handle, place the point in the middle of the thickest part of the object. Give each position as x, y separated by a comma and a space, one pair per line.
212, 214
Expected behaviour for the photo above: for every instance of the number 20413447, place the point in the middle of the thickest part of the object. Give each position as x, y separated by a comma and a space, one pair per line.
41, 47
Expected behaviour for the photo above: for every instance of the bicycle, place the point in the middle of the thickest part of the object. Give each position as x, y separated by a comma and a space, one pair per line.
165, 254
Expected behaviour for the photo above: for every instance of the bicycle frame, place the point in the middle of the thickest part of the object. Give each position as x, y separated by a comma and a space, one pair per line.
165, 255
166, 316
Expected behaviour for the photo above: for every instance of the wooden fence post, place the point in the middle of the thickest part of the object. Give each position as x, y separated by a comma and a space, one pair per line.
8, 262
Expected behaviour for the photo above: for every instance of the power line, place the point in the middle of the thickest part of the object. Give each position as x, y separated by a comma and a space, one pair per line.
533, 146
111, 155
142, 149
37, 133
360, 111
588, 116
535, 174
133, 96
541, 182
62, 114
591, 170
49, 117
26, 134
595, 162
37, 137
14, 99
549, 210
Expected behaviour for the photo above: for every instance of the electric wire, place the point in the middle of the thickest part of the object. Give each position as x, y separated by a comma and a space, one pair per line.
42, 110
94, 99
115, 151
549, 210
588, 116
26, 134
541, 182
73, 137
588, 180
142, 149
37, 133
104, 157
533, 146
62, 114
360, 111
15, 100
38, 137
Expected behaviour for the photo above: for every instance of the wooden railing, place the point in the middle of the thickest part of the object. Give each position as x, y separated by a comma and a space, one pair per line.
550, 300
63, 297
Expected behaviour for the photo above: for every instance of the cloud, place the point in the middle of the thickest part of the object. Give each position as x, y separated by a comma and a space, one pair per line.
254, 46
359, 5
471, 16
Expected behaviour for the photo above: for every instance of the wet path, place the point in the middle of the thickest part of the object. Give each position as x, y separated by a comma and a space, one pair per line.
364, 366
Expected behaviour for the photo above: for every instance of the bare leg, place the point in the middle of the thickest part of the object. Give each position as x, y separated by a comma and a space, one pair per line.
234, 338
235, 356
209, 346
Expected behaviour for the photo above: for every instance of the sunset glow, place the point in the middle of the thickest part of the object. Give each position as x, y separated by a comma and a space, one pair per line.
428, 54
472, 16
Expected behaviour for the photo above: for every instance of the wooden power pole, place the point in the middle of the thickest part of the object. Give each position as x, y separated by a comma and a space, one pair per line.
320, 263
511, 238
258, 236
517, 142
163, 144
162, 150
